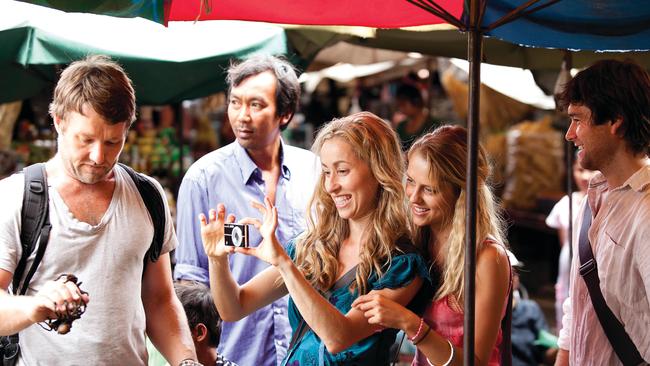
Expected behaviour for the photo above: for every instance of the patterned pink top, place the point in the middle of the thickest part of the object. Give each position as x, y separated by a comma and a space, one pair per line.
449, 324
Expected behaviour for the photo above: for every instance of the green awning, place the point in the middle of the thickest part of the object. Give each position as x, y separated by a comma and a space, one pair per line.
167, 64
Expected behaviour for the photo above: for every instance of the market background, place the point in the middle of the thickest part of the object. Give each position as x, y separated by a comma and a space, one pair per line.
178, 72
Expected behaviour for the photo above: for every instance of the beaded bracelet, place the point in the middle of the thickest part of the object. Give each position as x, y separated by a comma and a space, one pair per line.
451, 355
415, 342
419, 330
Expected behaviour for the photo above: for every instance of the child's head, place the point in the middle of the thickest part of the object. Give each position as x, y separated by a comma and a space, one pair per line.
202, 315
581, 176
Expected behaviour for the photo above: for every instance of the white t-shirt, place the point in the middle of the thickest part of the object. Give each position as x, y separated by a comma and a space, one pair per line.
559, 219
107, 258
559, 216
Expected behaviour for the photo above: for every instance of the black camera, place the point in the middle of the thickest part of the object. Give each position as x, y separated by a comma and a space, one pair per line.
236, 235
9, 350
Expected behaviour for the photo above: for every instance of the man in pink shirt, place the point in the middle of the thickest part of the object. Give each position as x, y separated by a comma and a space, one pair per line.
609, 107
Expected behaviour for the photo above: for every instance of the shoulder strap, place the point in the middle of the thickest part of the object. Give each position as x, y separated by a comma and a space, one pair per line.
344, 281
35, 223
156, 207
614, 330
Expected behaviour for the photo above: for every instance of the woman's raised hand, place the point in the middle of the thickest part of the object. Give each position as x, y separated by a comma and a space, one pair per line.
212, 232
270, 250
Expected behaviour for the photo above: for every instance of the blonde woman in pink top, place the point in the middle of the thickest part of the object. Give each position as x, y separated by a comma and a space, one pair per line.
435, 186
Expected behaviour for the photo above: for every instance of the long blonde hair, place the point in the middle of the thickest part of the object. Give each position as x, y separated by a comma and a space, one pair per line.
445, 151
374, 142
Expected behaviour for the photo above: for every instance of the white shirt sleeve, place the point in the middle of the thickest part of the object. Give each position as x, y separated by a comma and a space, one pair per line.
565, 334
559, 216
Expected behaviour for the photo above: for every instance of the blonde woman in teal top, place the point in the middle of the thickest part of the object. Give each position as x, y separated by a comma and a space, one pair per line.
357, 242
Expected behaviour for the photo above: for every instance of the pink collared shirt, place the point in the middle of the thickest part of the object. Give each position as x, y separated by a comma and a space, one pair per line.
620, 240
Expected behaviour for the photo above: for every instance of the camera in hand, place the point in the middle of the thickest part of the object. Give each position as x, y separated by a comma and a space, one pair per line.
236, 235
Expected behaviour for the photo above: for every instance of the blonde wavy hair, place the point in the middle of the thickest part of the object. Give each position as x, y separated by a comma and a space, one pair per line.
375, 142
445, 150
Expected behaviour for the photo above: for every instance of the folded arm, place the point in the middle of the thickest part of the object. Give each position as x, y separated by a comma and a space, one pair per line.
338, 331
491, 291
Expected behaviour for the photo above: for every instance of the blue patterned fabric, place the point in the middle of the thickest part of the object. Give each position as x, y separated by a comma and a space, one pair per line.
373, 350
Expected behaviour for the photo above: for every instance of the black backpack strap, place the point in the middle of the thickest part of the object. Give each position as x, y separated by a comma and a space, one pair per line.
614, 330
156, 207
35, 223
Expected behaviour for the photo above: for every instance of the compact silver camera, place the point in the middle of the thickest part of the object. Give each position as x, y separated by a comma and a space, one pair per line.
236, 235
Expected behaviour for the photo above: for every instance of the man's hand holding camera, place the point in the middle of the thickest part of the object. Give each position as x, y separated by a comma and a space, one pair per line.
54, 296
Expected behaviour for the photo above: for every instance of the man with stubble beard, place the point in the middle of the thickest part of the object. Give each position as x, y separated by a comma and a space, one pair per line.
609, 108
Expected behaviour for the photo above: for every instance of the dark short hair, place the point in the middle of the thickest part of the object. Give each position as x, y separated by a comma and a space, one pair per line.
614, 89
199, 308
411, 94
99, 82
287, 89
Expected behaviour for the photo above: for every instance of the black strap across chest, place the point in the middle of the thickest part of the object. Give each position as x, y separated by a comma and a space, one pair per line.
614, 330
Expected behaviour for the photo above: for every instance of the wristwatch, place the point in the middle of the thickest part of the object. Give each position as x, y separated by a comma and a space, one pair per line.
189, 362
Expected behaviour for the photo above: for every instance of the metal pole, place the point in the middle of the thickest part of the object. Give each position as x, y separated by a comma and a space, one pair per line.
568, 63
474, 50
180, 136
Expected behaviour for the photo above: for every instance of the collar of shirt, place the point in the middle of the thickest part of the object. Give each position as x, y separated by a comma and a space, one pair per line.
595, 192
598, 187
249, 169
639, 180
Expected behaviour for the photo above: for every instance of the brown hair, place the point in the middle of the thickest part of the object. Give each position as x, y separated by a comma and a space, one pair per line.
614, 89
98, 82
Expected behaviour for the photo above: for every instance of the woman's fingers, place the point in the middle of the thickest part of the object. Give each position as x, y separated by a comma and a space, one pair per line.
268, 203
251, 221
259, 206
247, 251
367, 300
359, 300
221, 211
263, 207
274, 216
212, 217
217, 215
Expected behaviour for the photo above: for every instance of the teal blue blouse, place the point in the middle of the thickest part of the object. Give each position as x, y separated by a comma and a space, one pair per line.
373, 350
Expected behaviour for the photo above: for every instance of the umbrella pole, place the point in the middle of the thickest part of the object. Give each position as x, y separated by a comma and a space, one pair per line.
568, 64
474, 50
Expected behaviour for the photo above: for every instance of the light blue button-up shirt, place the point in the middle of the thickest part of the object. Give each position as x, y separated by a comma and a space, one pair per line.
229, 176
